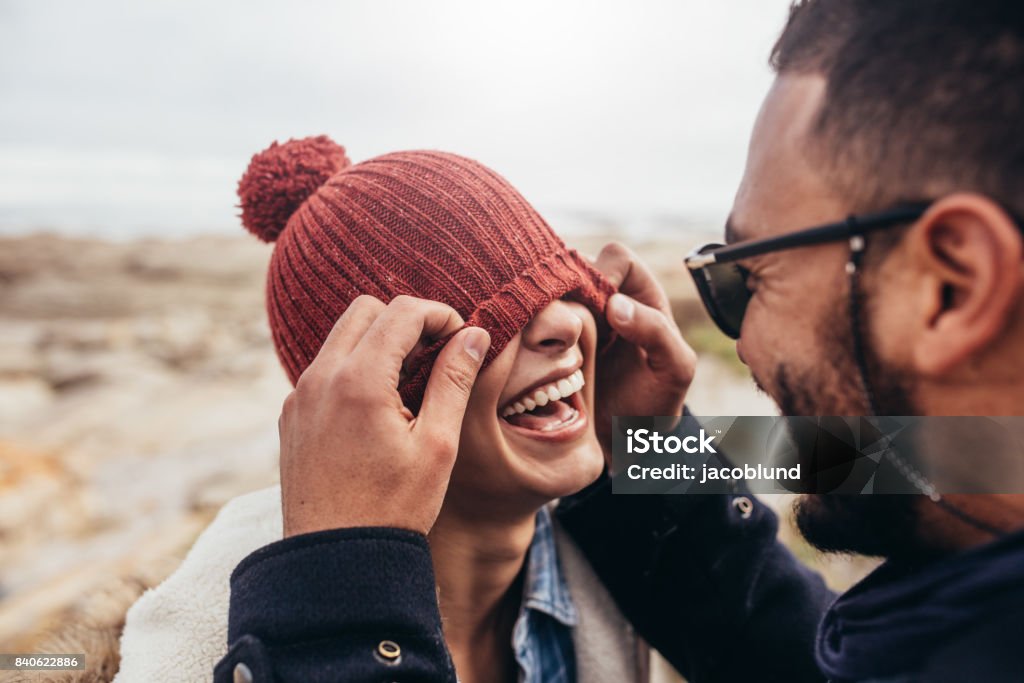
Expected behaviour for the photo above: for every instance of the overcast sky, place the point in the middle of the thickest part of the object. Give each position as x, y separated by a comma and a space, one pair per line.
125, 118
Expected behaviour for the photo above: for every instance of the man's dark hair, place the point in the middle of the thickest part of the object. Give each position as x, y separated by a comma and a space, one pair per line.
923, 98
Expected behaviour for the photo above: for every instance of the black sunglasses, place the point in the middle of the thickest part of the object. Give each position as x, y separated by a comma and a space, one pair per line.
722, 283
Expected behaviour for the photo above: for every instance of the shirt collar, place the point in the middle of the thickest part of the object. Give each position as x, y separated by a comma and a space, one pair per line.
545, 588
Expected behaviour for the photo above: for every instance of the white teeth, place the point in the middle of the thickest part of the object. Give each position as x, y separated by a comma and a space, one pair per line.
563, 388
576, 379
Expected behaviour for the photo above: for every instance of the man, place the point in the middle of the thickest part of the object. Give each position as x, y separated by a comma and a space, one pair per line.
878, 106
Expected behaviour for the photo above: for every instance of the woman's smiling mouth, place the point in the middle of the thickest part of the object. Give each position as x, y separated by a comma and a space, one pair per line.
551, 412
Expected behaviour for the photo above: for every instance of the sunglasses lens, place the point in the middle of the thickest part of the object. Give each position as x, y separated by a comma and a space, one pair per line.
723, 287
727, 289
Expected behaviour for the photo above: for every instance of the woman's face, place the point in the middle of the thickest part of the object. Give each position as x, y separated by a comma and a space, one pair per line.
528, 436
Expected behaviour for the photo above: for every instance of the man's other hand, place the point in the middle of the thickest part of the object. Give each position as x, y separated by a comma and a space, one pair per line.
649, 368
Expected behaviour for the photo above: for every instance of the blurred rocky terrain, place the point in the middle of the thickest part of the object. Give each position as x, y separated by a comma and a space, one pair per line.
138, 392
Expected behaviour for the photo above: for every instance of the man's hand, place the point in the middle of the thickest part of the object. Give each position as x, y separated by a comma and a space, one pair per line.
650, 366
351, 453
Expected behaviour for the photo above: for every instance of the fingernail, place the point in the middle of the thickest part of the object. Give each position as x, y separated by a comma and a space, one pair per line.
621, 308
476, 343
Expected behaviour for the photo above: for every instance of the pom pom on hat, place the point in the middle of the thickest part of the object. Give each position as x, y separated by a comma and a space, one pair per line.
281, 177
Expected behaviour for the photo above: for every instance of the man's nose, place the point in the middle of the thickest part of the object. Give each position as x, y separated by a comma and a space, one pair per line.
556, 328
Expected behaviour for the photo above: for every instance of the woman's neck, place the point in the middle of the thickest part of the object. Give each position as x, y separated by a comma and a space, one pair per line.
478, 562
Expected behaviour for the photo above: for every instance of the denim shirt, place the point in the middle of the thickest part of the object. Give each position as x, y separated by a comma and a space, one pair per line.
542, 635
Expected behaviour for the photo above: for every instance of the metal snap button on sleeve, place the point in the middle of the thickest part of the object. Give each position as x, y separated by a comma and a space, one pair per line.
744, 505
389, 651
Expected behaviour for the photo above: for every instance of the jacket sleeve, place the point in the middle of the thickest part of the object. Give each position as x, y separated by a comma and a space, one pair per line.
704, 580
346, 604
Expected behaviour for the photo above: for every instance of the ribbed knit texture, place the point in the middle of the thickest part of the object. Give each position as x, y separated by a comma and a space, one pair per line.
427, 224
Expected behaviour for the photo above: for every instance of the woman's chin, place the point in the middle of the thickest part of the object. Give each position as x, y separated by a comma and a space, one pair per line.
507, 465
561, 472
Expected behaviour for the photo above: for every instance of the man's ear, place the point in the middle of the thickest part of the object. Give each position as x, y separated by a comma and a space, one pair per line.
969, 251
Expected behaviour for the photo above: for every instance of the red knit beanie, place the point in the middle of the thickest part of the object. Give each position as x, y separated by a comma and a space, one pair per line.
428, 224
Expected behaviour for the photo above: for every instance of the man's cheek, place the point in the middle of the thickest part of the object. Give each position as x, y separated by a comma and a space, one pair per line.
758, 348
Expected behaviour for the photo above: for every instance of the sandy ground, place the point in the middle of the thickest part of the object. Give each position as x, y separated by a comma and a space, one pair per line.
139, 392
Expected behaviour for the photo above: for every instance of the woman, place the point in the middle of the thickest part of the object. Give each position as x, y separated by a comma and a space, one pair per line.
517, 600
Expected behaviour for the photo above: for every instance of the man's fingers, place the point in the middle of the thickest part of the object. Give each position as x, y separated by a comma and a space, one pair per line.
649, 329
397, 330
451, 381
350, 328
614, 262
630, 276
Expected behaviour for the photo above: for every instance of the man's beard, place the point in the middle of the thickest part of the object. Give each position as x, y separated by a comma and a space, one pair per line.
836, 386
874, 525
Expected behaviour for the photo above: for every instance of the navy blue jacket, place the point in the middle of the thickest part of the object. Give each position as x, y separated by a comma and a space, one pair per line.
701, 577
